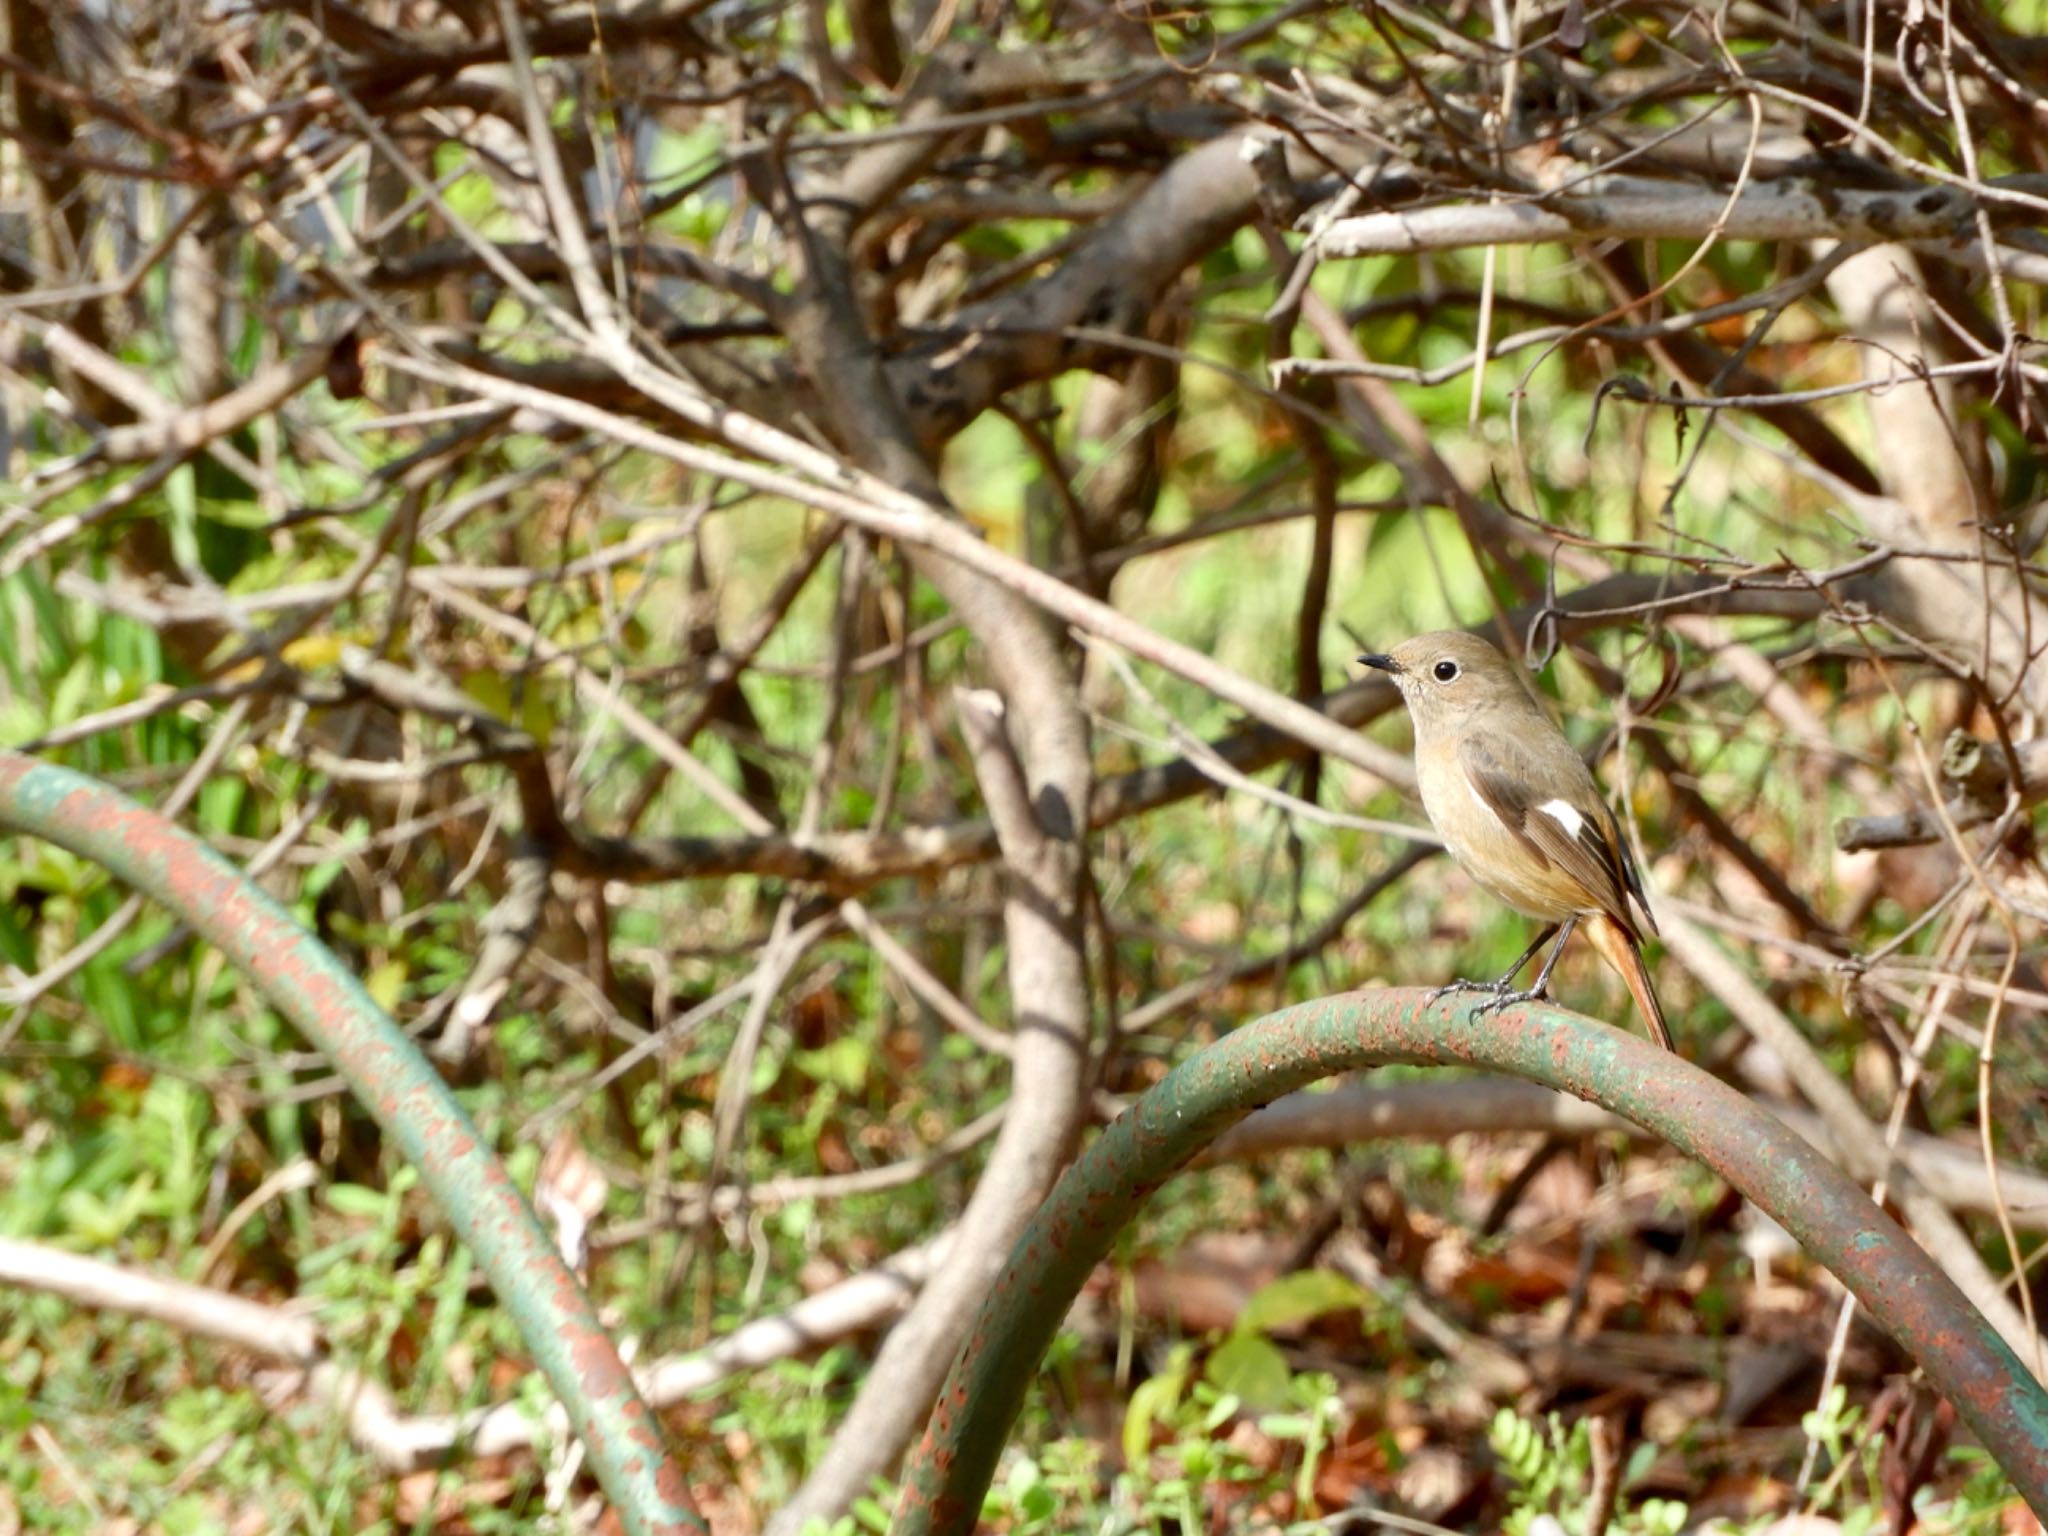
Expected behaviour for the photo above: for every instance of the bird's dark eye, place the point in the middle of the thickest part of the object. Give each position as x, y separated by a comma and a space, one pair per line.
1446, 671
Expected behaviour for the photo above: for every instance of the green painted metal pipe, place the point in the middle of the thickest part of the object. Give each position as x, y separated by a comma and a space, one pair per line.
310, 987
1832, 1219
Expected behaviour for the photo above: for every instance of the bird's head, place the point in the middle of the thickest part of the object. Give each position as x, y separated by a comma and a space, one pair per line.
1448, 677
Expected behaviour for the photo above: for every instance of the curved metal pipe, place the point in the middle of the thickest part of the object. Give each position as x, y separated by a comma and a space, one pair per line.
305, 983
1831, 1217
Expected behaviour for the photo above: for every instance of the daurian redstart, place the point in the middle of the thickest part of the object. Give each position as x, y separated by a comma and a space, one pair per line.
1519, 811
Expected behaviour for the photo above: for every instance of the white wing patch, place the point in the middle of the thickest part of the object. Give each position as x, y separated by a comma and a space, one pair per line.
1565, 815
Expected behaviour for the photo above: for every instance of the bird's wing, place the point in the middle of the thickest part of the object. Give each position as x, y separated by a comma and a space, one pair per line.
1572, 831
1633, 877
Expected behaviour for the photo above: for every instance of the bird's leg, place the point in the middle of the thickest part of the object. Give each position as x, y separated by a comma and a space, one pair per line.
1499, 988
1507, 999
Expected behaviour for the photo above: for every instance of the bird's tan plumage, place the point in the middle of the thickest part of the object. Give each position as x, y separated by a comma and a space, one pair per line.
1516, 806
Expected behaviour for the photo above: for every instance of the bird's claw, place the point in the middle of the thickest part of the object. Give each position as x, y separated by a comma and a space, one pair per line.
1506, 999
1499, 995
1453, 988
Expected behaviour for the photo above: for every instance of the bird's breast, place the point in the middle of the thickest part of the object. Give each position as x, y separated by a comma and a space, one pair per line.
1502, 862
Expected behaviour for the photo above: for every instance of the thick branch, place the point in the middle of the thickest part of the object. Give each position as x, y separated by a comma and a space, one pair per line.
1034, 764
1439, 1108
1773, 211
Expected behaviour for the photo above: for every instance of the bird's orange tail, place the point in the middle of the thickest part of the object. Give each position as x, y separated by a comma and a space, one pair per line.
1619, 950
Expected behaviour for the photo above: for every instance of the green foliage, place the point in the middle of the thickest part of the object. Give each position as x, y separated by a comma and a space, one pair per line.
1549, 1468
1837, 1426
1247, 1366
1984, 1504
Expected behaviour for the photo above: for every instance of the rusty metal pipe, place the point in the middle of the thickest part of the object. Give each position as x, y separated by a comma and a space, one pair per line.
1902, 1288
305, 983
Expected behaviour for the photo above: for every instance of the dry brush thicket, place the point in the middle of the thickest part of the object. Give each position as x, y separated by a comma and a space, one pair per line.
693, 496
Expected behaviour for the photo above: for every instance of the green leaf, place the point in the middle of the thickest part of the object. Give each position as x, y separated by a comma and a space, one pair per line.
1294, 1299
358, 1200
1026, 1489
103, 1223
1153, 1401
491, 691
318, 878
1221, 1412
795, 1219
1640, 1460
843, 1063
1250, 1368
386, 984
188, 1515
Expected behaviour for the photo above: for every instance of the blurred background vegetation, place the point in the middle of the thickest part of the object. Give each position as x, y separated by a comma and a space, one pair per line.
363, 367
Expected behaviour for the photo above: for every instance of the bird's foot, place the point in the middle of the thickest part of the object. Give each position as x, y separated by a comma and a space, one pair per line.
1506, 999
1452, 988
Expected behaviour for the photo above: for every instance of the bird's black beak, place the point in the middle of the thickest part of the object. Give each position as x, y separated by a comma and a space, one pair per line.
1380, 663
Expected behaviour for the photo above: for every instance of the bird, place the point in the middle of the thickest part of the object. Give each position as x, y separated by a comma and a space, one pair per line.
1518, 809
